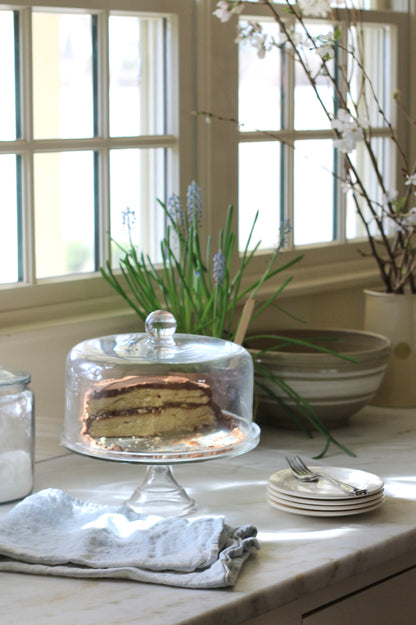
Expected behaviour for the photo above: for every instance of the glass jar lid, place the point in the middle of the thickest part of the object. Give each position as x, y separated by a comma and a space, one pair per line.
10, 378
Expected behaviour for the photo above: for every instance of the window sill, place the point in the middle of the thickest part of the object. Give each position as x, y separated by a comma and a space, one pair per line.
73, 301
322, 269
331, 277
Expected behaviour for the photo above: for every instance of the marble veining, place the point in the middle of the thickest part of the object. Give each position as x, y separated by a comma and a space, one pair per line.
299, 555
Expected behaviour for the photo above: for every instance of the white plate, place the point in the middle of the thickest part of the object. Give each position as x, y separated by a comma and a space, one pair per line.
314, 504
324, 513
285, 482
333, 503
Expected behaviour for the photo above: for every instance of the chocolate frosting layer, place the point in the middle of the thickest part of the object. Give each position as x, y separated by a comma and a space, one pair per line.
112, 388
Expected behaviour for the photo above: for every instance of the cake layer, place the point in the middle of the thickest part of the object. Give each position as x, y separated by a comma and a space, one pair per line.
148, 406
174, 419
145, 392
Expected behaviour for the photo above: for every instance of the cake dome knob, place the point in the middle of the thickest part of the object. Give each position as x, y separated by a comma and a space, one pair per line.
160, 326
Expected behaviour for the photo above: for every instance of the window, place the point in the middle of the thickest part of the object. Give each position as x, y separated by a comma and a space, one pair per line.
96, 120
276, 110
95, 102
287, 159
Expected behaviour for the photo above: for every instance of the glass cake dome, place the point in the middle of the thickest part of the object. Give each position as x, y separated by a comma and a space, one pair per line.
159, 397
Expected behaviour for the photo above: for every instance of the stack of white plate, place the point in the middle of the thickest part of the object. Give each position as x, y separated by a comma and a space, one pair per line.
321, 498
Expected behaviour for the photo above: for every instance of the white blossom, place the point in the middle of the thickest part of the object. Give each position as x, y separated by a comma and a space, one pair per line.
262, 44
405, 222
294, 38
348, 142
409, 220
314, 8
252, 32
246, 31
350, 130
222, 11
226, 8
389, 196
346, 187
326, 51
411, 179
326, 47
297, 38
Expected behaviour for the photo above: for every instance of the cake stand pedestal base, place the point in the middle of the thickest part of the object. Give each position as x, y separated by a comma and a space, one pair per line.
161, 494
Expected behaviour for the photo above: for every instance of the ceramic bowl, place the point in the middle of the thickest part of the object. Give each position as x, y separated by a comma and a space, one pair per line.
334, 387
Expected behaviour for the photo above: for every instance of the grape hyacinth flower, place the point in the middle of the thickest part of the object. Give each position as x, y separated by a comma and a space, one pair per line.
218, 269
194, 203
284, 231
128, 217
175, 209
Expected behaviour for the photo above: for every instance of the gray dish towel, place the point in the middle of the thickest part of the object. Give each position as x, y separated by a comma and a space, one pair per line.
52, 533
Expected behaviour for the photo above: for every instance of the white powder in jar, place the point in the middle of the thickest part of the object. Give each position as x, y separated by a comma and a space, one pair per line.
16, 476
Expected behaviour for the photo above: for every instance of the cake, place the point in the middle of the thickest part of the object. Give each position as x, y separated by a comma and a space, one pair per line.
148, 406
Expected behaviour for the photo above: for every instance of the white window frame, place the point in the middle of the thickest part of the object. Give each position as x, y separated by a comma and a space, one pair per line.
207, 66
31, 302
326, 267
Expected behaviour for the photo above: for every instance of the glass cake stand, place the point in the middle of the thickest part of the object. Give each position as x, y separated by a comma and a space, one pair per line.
160, 493
221, 366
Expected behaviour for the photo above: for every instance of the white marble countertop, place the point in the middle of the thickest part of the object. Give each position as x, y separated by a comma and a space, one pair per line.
298, 555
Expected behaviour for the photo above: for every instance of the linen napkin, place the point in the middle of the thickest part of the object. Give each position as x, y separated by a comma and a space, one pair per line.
52, 533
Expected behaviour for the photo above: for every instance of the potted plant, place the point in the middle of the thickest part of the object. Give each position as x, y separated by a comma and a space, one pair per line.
388, 215
199, 287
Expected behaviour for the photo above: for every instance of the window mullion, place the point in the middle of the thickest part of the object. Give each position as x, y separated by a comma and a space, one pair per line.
340, 198
288, 160
26, 162
102, 159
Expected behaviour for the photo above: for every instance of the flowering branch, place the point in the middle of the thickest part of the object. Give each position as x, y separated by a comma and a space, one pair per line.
390, 223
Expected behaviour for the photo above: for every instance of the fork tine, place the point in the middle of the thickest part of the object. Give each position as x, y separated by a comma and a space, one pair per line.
291, 463
302, 465
294, 465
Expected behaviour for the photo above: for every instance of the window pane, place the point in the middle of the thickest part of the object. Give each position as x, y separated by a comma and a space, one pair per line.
373, 43
309, 114
259, 190
137, 76
313, 192
64, 213
136, 183
259, 95
8, 220
386, 155
7, 77
62, 76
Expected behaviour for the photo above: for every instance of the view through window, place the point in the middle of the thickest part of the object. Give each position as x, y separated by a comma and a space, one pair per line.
84, 135
89, 137
288, 165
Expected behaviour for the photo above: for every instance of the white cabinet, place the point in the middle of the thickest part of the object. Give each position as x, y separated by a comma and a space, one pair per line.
389, 602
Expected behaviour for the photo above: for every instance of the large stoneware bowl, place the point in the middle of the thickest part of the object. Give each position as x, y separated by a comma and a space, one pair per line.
334, 387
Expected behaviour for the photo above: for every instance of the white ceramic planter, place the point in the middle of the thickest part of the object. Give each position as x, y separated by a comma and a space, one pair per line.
394, 316
335, 388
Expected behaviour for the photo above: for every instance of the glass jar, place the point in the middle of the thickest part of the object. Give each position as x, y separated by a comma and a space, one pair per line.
16, 435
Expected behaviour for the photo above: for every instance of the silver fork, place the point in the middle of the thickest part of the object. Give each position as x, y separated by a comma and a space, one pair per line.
303, 473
